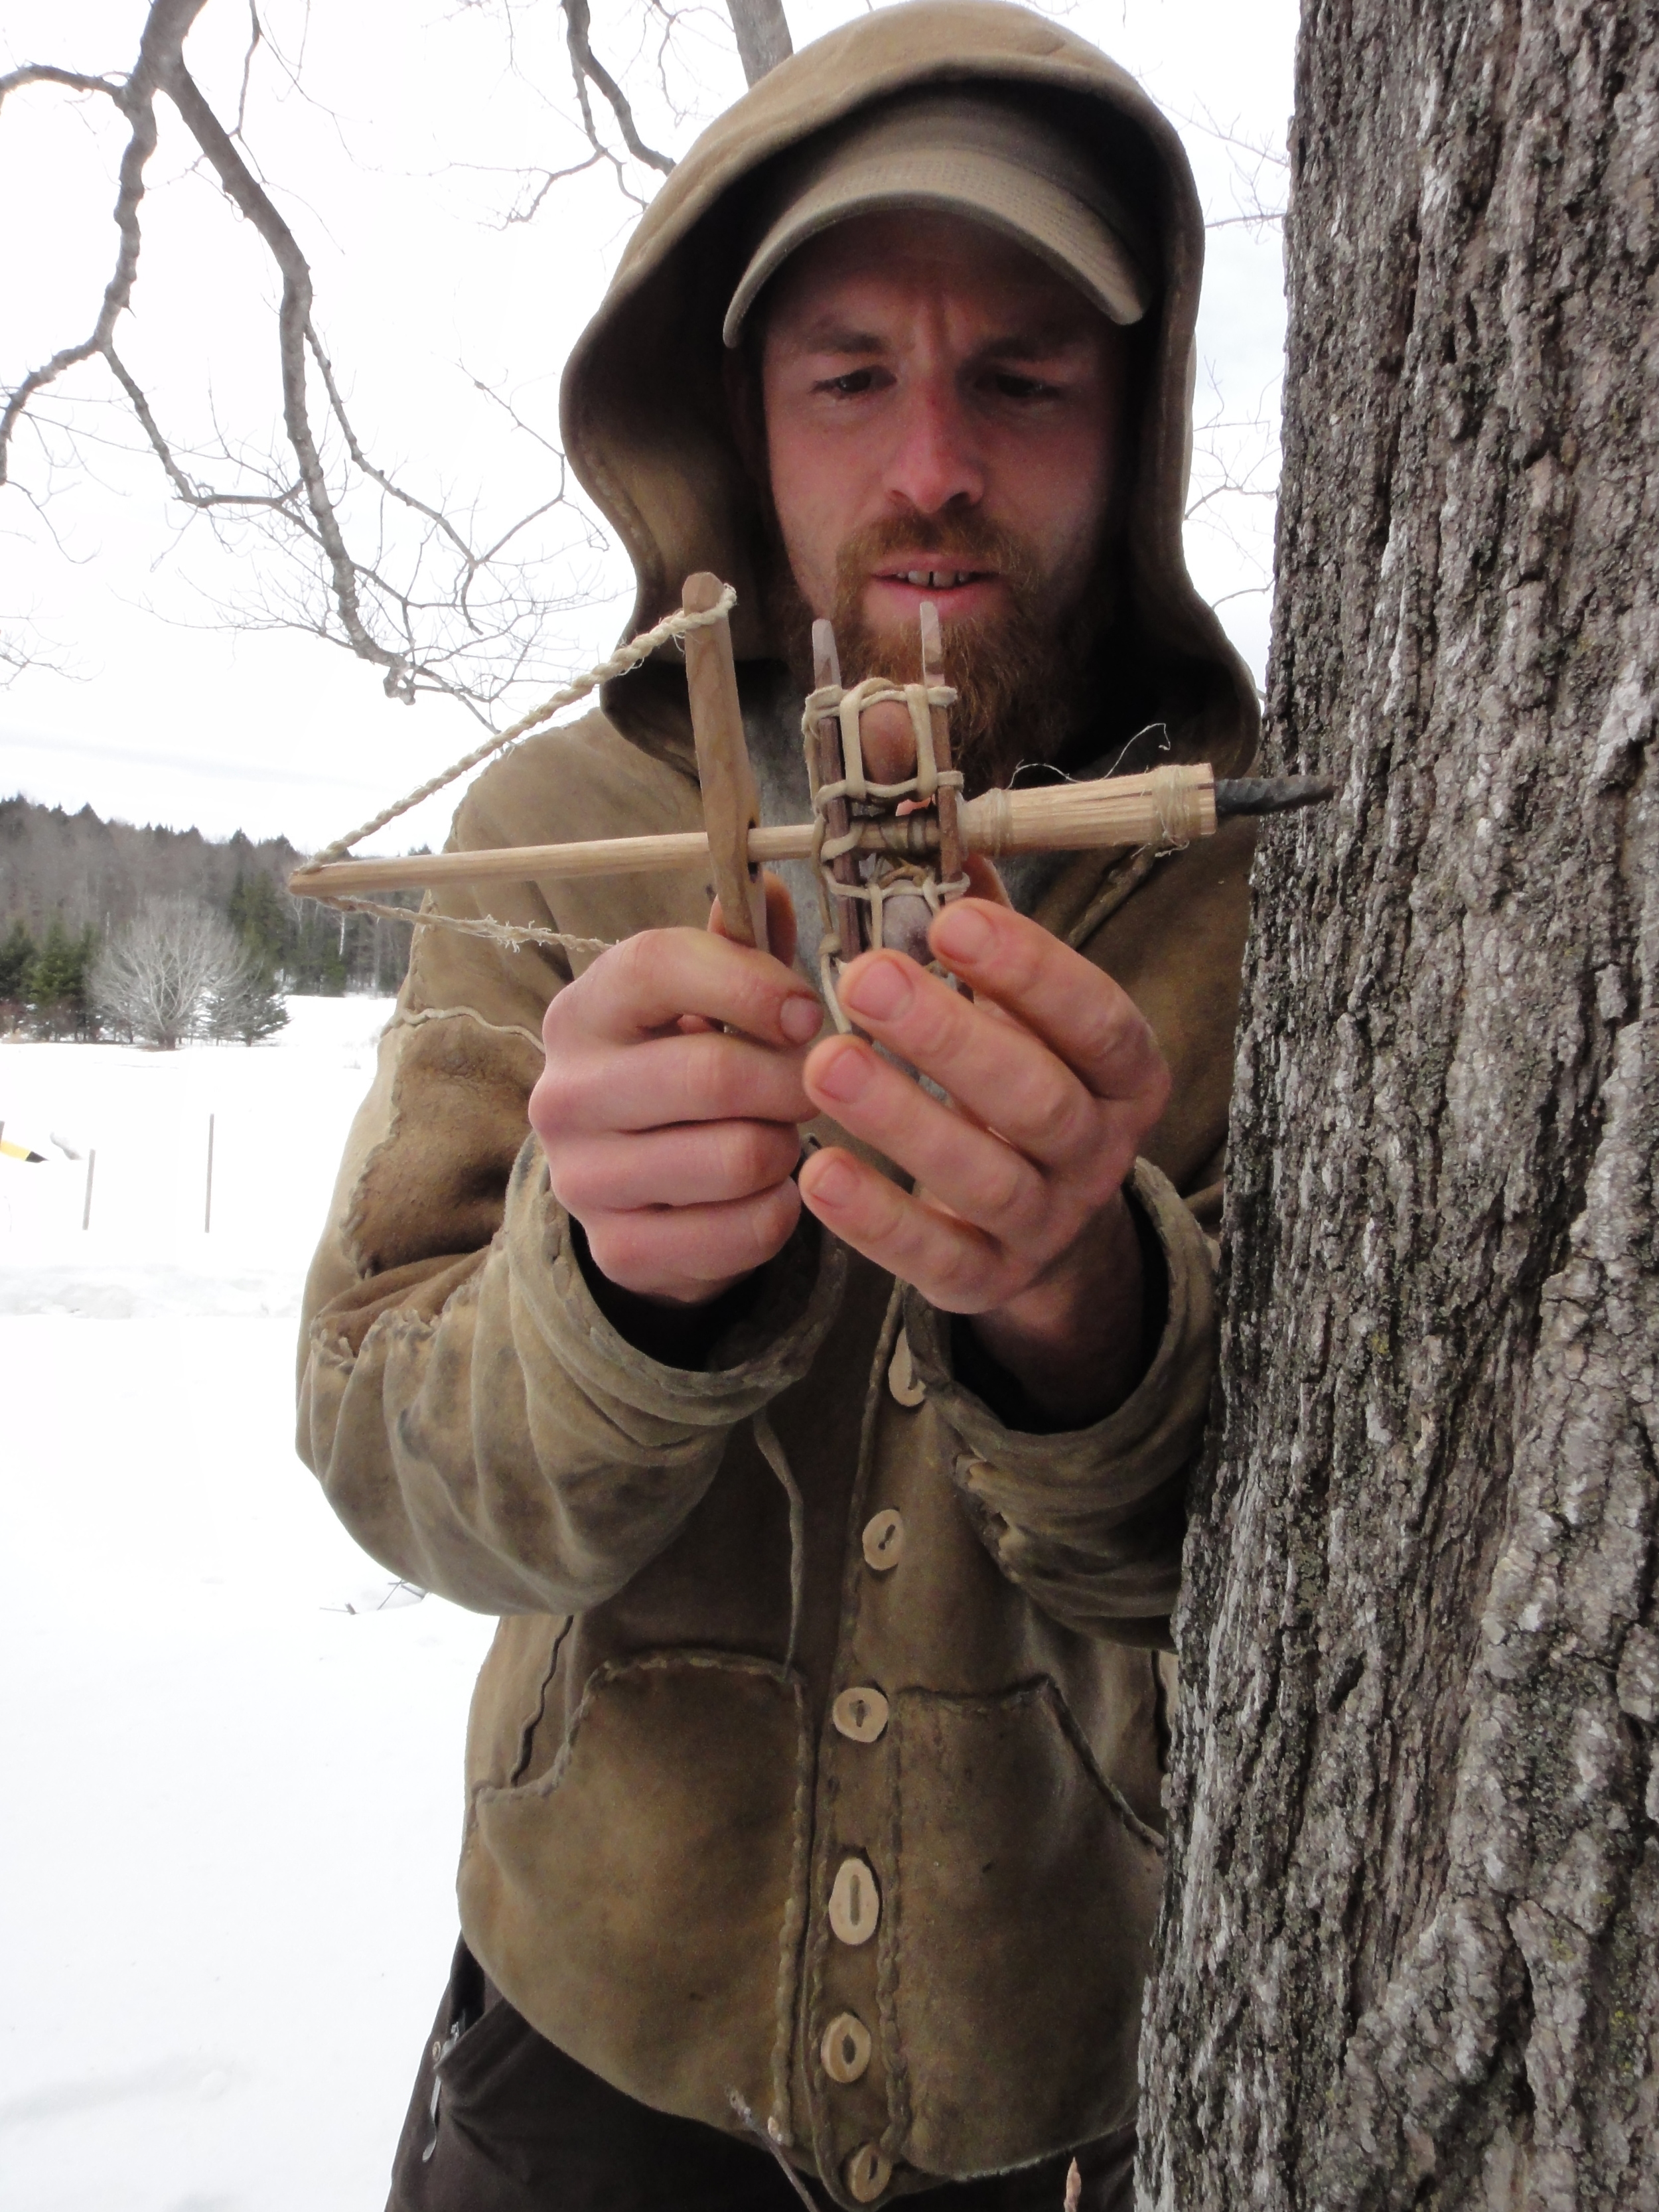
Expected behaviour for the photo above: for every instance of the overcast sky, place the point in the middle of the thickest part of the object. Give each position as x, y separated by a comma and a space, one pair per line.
397, 143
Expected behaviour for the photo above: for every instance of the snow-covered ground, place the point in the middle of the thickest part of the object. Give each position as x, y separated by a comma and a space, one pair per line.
231, 1784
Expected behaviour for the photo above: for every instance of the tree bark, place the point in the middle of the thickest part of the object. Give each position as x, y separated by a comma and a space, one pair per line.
1410, 1946
762, 32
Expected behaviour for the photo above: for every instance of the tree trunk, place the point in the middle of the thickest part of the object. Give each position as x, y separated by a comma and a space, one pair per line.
763, 39
1410, 1948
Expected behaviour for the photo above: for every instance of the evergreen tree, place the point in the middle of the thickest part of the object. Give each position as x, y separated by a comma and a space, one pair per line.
18, 955
59, 976
246, 1009
255, 910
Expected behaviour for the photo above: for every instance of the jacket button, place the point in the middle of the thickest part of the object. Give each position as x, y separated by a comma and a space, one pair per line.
901, 1378
854, 1902
867, 2175
859, 1714
845, 2048
884, 1540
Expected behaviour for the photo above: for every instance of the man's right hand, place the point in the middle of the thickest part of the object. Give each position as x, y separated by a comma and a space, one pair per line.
672, 1143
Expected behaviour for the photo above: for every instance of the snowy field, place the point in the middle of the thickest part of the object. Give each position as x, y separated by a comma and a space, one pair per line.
232, 1784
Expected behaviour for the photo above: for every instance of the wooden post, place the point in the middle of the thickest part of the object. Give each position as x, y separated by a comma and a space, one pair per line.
730, 805
207, 1209
86, 1209
826, 669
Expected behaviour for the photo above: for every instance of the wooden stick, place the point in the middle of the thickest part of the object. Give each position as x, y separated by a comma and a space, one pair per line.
730, 805
951, 853
1167, 807
826, 669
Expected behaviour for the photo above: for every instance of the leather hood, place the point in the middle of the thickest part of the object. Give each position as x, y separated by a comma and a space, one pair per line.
643, 407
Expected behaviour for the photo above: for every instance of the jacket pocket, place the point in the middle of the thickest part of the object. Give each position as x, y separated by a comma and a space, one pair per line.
1026, 1895
639, 1903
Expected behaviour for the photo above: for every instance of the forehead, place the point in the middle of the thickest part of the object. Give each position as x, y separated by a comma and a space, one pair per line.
874, 271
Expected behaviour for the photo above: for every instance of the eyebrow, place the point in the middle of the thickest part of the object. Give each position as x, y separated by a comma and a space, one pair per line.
1040, 344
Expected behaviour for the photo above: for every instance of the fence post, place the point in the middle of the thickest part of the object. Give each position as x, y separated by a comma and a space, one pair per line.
86, 1211
206, 1210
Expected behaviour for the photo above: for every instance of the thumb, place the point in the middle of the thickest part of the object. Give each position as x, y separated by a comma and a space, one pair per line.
780, 931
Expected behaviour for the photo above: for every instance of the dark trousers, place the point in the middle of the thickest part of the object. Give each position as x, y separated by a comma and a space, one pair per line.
502, 2121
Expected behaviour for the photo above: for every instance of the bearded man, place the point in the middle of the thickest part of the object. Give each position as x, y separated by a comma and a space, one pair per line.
832, 1506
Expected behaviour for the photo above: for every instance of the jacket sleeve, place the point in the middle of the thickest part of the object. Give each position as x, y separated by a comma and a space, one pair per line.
482, 1428
1090, 1521
474, 1419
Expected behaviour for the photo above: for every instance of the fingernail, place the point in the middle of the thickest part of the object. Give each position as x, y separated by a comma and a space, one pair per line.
833, 1182
881, 990
800, 1018
963, 933
847, 1073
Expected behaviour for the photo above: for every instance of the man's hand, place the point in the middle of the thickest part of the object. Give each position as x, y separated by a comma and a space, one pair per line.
1018, 1218
672, 1143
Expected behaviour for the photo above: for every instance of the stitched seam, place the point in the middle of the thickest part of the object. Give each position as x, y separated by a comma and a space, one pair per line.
852, 1587
617, 1670
823, 2147
790, 1935
527, 1733
402, 1021
889, 1964
1044, 1692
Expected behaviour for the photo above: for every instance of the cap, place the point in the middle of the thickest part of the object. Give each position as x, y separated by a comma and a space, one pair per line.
970, 154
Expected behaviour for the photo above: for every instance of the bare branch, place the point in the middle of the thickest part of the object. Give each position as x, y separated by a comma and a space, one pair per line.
585, 68
72, 80
164, 32
257, 33
440, 609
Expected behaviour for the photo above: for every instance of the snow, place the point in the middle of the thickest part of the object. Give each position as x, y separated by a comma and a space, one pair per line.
232, 1743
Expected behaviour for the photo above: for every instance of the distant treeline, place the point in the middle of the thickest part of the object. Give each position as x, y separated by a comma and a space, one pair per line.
69, 882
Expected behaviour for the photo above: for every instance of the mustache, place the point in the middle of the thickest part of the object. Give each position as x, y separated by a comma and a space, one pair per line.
971, 540
1015, 677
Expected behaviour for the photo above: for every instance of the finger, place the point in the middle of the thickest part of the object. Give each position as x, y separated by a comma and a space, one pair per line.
979, 1177
693, 1165
663, 1080
887, 739
999, 1074
781, 935
1079, 1011
643, 985
679, 1252
953, 1264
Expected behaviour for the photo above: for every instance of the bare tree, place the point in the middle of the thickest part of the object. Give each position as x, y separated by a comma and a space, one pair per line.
178, 971
335, 544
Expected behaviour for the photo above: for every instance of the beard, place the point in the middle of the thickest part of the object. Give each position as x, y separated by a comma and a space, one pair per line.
1019, 676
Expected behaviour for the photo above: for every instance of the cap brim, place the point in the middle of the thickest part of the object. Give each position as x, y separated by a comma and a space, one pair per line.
1005, 196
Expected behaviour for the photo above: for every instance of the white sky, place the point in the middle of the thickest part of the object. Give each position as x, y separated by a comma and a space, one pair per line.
394, 159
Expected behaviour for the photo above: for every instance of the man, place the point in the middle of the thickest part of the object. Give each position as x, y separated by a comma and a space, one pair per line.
832, 1507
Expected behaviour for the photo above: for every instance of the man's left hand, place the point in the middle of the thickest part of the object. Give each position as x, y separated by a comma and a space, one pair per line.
1018, 1217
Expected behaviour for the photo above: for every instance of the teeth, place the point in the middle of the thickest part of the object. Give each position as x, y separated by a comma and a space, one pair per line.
936, 579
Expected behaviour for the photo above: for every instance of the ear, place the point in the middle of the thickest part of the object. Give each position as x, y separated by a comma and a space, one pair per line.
745, 408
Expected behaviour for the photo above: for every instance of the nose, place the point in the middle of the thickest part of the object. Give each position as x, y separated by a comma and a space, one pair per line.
935, 463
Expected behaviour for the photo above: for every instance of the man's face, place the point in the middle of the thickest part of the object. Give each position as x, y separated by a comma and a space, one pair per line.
942, 416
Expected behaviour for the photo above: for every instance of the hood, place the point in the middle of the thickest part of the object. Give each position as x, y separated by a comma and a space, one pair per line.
643, 407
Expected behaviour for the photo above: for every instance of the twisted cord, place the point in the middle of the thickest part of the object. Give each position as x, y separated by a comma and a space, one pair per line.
626, 656
672, 627
512, 935
848, 704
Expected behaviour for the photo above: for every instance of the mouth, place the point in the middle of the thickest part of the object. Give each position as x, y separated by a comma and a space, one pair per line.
935, 579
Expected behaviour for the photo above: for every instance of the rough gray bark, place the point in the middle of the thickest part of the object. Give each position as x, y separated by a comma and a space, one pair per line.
1410, 1953
763, 34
